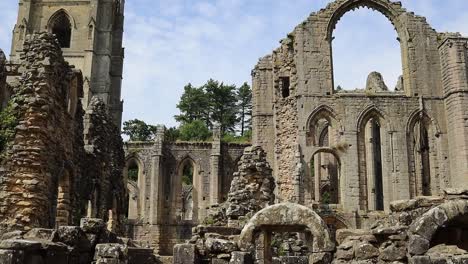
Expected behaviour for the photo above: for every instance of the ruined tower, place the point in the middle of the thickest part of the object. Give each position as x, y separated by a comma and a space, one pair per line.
90, 34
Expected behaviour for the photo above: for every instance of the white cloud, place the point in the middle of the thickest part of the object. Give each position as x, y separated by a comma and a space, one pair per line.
172, 42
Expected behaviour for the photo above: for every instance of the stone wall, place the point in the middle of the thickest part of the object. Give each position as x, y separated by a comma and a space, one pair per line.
159, 219
41, 159
95, 45
88, 243
285, 124
105, 186
53, 174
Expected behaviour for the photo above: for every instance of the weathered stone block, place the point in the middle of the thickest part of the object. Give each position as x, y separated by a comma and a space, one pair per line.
92, 225
219, 261
214, 245
320, 258
241, 258
40, 233
420, 260
417, 245
364, 251
11, 256
294, 260
185, 254
342, 234
73, 236
116, 251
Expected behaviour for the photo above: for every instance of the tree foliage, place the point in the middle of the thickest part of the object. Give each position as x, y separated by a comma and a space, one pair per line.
222, 105
216, 102
172, 134
201, 108
244, 95
8, 123
193, 105
187, 174
138, 130
194, 131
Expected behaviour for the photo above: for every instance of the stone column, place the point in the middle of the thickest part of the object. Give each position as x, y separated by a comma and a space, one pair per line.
454, 60
215, 181
156, 176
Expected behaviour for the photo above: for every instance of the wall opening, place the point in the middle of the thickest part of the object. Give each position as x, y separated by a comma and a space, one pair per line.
61, 26
275, 244
285, 86
133, 171
453, 233
373, 154
188, 202
421, 147
325, 172
63, 211
324, 165
365, 41
334, 224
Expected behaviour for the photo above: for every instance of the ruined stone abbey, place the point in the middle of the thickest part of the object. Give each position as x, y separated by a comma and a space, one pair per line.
364, 176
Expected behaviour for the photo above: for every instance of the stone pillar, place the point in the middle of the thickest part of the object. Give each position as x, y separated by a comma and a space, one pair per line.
454, 61
317, 177
156, 176
215, 182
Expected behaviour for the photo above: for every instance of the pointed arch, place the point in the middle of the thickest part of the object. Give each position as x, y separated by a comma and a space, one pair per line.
62, 24
417, 114
322, 111
370, 131
135, 183
58, 13
320, 122
392, 11
388, 9
369, 112
422, 132
186, 194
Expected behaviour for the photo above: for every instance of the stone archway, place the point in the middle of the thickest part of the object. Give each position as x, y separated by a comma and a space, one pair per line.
423, 230
288, 217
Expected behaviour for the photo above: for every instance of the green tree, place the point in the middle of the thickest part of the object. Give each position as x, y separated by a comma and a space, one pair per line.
187, 174
172, 134
222, 105
8, 123
138, 130
193, 105
244, 96
194, 131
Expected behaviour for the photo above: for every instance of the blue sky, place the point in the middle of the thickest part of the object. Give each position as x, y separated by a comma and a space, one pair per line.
170, 43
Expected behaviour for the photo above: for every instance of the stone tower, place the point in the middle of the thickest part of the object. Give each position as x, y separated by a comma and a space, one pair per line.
90, 34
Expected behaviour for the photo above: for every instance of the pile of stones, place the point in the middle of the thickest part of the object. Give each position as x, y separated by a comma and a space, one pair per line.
252, 189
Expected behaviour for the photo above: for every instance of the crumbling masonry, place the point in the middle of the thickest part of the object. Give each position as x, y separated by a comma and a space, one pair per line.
364, 176
367, 169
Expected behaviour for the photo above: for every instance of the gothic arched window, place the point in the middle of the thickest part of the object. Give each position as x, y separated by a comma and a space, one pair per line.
60, 25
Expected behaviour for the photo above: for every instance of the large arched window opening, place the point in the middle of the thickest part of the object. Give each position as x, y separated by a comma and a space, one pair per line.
323, 134
365, 41
371, 162
325, 171
422, 155
189, 204
133, 171
134, 179
61, 26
